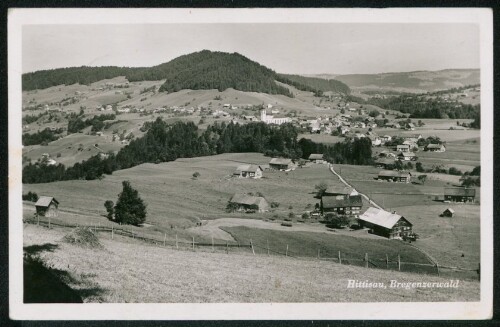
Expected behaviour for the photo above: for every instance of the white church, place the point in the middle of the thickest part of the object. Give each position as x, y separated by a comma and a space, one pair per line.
264, 117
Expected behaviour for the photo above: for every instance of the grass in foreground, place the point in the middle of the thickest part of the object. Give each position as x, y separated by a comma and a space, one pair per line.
127, 271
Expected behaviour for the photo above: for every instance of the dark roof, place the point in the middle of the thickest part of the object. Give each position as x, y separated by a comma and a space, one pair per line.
394, 173
460, 191
316, 156
45, 201
450, 210
340, 201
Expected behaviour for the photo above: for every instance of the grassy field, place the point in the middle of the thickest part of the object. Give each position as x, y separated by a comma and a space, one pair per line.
127, 271
175, 198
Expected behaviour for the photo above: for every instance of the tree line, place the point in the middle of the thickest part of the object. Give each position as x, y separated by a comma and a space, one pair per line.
43, 137
164, 142
313, 84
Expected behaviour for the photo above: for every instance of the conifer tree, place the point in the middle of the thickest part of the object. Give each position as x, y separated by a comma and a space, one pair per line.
130, 208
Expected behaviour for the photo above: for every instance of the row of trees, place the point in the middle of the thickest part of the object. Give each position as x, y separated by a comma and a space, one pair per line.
76, 124
164, 142
312, 84
420, 106
43, 137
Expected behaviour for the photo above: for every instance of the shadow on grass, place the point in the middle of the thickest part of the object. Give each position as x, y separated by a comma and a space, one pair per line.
45, 284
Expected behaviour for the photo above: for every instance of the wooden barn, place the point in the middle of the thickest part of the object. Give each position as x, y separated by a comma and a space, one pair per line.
384, 223
249, 203
280, 164
248, 171
395, 176
448, 213
317, 158
47, 206
349, 205
459, 194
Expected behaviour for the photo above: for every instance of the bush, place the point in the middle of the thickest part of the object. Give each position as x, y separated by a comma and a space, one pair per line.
275, 205
305, 215
109, 205
31, 196
196, 174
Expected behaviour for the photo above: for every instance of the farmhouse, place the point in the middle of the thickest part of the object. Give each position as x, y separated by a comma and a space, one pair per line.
248, 171
383, 223
280, 164
395, 176
403, 147
407, 156
386, 163
47, 206
249, 203
341, 204
459, 194
409, 126
448, 213
317, 158
435, 148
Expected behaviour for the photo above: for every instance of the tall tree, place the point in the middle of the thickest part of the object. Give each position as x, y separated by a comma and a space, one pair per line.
130, 208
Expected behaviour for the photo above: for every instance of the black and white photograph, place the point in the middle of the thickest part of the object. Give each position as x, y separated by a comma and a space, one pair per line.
251, 163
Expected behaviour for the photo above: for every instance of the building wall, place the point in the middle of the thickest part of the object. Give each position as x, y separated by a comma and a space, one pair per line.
458, 198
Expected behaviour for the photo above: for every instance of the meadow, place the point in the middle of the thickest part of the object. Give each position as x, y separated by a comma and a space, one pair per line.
128, 271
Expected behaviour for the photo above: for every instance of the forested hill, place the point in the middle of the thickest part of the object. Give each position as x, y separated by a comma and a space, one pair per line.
199, 70
314, 84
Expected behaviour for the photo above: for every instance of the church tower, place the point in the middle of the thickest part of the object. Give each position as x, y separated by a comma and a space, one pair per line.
263, 115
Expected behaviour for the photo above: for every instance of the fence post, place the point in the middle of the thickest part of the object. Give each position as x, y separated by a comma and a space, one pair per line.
267, 247
399, 262
164, 239
176, 242
251, 244
386, 261
340, 258
286, 253
366, 260
193, 243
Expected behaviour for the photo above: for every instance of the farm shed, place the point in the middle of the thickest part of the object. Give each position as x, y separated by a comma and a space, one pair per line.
317, 158
249, 203
280, 163
459, 194
395, 176
341, 204
384, 223
47, 206
407, 156
248, 171
435, 148
448, 212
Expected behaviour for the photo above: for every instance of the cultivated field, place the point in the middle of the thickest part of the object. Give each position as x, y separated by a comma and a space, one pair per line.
126, 271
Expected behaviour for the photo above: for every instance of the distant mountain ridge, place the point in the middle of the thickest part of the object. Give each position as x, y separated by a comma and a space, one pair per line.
196, 71
417, 80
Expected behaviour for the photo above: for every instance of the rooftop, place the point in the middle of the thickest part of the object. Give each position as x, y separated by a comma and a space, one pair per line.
340, 201
381, 217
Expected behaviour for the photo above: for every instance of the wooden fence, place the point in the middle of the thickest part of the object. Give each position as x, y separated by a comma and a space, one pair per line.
355, 259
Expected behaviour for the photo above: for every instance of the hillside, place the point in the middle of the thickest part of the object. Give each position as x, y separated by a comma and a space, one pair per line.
414, 82
316, 85
199, 70
164, 275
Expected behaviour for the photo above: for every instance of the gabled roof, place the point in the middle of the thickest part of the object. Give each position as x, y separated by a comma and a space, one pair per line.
340, 201
44, 201
247, 168
248, 200
316, 156
381, 217
460, 191
339, 189
394, 173
280, 161
450, 210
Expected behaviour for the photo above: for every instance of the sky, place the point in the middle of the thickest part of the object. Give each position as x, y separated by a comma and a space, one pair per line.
300, 48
